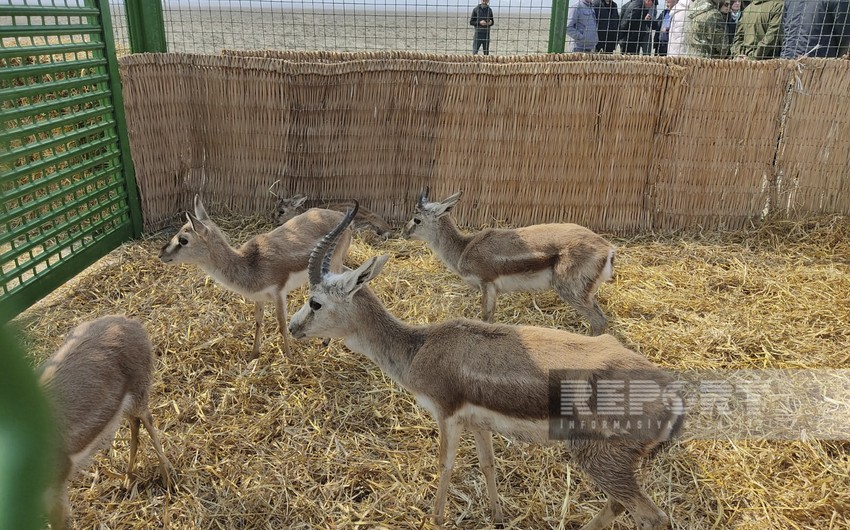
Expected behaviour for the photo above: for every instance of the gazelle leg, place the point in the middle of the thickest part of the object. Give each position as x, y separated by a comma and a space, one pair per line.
258, 329
60, 510
450, 432
587, 307
605, 517
487, 463
134, 445
164, 464
613, 468
488, 302
281, 309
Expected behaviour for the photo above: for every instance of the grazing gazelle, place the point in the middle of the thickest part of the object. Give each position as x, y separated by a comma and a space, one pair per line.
265, 268
287, 208
101, 373
568, 258
488, 377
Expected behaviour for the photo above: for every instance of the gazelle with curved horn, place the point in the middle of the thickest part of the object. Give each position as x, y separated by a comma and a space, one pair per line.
571, 259
496, 378
265, 268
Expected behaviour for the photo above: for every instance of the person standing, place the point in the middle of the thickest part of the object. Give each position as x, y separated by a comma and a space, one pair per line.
481, 20
632, 25
732, 19
759, 32
645, 46
581, 27
662, 29
708, 37
677, 41
815, 28
607, 24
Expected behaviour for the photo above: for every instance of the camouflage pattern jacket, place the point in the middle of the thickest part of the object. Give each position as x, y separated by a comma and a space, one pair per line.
707, 37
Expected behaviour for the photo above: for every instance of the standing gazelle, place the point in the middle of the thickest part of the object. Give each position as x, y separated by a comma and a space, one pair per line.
571, 259
265, 268
101, 373
488, 377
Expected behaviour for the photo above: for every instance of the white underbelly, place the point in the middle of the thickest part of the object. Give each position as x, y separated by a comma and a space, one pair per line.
479, 418
537, 281
267, 294
529, 430
103, 438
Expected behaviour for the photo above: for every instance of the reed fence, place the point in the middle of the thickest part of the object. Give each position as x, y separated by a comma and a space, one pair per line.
619, 144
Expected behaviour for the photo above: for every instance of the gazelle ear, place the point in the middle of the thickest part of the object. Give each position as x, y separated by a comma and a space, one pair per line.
200, 211
446, 206
354, 280
423, 197
298, 200
197, 225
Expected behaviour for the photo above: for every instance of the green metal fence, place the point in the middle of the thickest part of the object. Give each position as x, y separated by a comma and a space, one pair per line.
67, 191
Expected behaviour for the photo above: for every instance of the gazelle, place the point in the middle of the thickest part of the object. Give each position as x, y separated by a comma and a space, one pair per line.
571, 259
487, 377
101, 373
265, 268
287, 208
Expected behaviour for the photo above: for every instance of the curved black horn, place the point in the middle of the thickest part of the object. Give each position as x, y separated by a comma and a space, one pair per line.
423, 197
320, 258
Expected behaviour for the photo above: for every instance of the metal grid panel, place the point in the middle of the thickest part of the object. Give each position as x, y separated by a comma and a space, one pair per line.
754, 29
433, 26
64, 193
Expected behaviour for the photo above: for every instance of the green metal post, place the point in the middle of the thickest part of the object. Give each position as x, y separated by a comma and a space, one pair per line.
558, 26
146, 26
120, 120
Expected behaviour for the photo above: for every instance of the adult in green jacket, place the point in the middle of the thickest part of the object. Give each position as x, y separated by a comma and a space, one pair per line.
759, 31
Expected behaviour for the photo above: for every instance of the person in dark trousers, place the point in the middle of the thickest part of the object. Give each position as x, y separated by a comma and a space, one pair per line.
732, 20
481, 20
662, 29
632, 25
607, 24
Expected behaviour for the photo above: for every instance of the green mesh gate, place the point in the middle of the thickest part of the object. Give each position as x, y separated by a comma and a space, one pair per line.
67, 191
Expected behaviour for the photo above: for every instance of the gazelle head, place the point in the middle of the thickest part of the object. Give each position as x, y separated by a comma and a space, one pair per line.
424, 223
287, 208
192, 243
330, 311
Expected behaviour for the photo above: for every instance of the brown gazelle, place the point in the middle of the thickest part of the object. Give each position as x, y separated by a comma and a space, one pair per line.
571, 259
265, 268
289, 207
101, 373
488, 377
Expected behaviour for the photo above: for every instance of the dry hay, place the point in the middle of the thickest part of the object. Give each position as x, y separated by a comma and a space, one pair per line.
324, 440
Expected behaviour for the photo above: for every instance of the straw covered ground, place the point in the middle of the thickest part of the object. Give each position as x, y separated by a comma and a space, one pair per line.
324, 440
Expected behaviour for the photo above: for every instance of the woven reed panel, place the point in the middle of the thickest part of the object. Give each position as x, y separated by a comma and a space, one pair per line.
619, 144
813, 161
716, 144
526, 141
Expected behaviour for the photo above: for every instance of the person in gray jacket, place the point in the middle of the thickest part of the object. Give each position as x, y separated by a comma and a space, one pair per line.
581, 27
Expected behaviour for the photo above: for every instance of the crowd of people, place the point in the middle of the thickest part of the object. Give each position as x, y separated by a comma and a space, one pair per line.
754, 29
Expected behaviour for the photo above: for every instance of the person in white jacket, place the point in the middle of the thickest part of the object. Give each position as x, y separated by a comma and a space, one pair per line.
678, 33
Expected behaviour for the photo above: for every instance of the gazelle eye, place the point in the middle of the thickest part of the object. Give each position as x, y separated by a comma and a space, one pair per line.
314, 305
417, 220
183, 241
